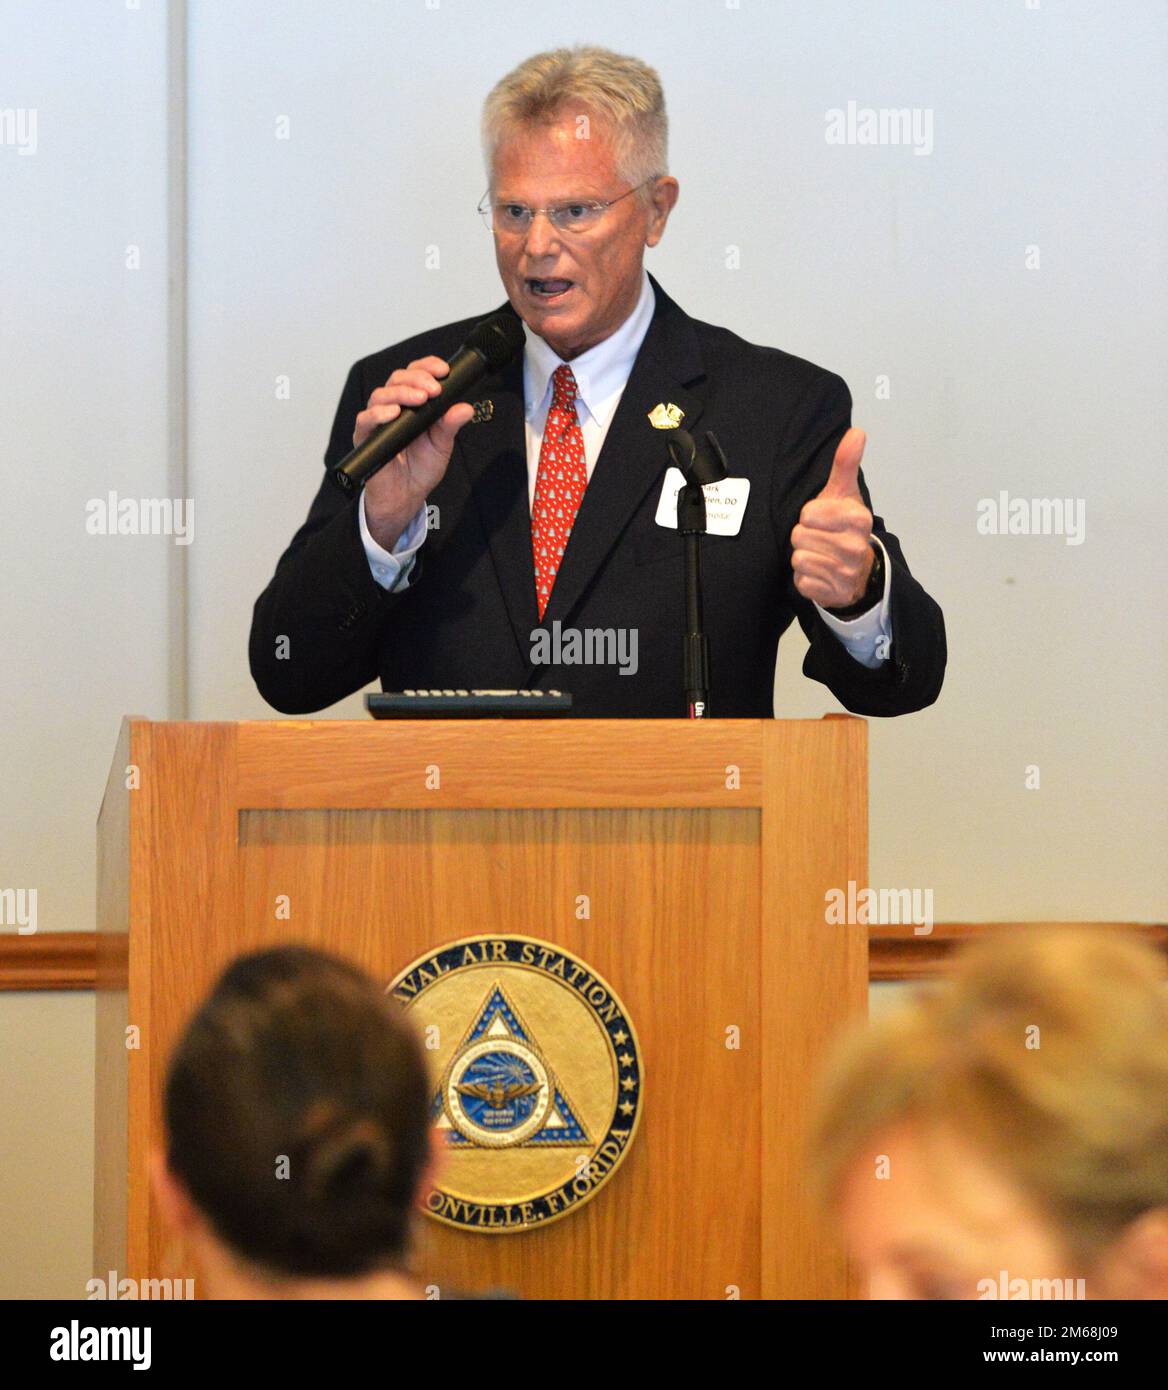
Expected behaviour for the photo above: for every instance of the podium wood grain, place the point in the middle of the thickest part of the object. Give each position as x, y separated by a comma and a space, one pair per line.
705, 851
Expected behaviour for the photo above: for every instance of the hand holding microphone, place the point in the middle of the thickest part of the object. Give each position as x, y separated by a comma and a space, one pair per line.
395, 492
405, 435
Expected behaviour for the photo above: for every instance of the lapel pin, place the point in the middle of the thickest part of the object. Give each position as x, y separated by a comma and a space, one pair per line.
666, 416
483, 411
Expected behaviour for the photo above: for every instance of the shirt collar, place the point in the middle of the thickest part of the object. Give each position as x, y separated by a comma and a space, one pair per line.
601, 371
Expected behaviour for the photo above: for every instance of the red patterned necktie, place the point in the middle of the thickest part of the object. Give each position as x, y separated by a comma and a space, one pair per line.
560, 481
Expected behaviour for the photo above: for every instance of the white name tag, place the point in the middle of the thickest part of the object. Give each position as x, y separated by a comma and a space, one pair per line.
725, 503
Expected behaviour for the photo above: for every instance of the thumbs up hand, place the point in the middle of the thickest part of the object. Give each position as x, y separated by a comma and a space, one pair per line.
831, 546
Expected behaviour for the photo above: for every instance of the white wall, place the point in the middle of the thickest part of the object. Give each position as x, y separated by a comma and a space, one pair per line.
306, 253
46, 1144
83, 355
83, 618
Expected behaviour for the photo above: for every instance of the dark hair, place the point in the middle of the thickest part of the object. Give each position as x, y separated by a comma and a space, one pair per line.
297, 1111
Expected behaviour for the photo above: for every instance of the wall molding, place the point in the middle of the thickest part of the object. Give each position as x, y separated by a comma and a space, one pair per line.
68, 960
48, 960
893, 955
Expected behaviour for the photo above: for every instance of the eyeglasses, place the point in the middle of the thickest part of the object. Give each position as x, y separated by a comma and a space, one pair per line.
513, 219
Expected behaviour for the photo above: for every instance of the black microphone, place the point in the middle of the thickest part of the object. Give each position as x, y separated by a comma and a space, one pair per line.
490, 345
682, 450
698, 464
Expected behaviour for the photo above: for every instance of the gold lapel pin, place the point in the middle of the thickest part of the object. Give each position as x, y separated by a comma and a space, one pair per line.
483, 411
666, 416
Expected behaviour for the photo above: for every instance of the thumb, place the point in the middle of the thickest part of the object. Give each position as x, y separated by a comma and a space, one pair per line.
441, 433
843, 480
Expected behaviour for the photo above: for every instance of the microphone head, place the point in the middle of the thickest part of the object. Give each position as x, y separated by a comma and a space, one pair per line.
681, 451
499, 337
709, 463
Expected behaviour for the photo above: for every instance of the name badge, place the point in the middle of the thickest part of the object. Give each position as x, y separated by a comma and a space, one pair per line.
725, 503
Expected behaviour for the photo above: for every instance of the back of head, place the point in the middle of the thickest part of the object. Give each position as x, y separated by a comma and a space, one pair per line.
1047, 1050
297, 1115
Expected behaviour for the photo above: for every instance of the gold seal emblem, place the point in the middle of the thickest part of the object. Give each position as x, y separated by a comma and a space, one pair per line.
539, 1079
666, 416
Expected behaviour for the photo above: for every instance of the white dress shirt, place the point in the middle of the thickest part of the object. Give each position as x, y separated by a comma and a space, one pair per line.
601, 374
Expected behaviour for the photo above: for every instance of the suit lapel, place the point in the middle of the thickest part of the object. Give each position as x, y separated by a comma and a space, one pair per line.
633, 459
494, 454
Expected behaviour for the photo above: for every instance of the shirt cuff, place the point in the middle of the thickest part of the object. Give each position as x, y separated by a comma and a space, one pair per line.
868, 638
392, 569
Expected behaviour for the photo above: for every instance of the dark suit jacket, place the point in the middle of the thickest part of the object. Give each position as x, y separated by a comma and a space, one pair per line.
467, 618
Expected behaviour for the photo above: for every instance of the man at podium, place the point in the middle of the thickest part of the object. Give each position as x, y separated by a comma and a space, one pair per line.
529, 538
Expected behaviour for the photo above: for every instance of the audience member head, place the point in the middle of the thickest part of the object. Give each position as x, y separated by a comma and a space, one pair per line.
297, 1117
1009, 1128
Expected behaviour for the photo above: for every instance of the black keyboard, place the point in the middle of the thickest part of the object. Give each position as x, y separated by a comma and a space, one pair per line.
467, 704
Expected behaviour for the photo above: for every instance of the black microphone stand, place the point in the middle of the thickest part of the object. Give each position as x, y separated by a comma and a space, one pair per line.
691, 522
697, 467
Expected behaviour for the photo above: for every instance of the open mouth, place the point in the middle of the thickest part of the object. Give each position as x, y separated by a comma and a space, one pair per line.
547, 291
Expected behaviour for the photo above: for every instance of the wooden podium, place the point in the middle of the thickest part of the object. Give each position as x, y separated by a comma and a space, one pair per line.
705, 850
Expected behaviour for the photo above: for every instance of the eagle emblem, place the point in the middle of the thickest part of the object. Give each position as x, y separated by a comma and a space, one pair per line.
537, 1077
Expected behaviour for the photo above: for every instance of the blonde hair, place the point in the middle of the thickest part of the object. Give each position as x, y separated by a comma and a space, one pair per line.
624, 93
1047, 1049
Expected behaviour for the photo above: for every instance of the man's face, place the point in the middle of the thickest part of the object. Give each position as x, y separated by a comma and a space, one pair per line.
573, 288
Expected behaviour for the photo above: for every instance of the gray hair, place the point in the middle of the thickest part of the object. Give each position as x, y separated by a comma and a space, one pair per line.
624, 93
